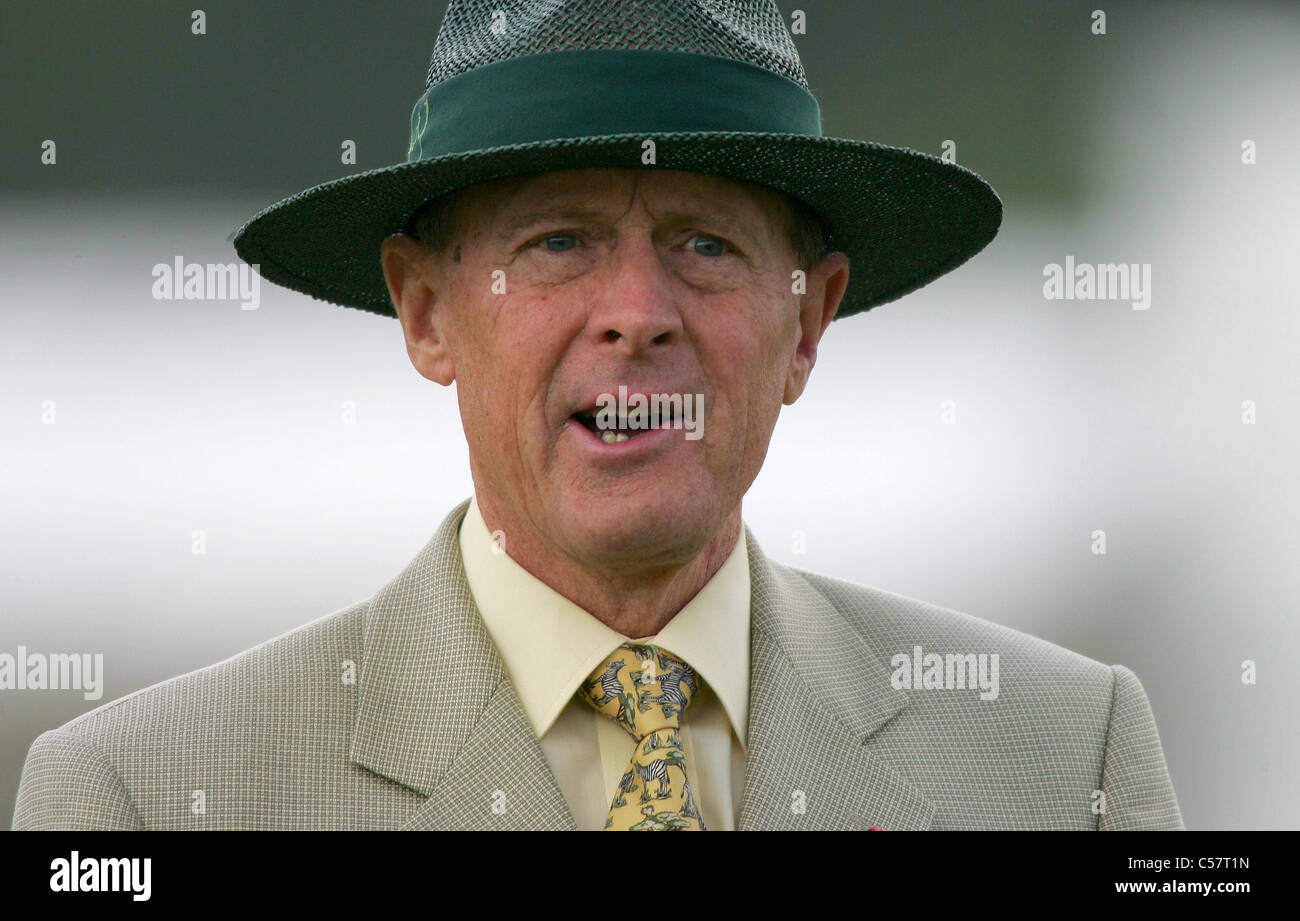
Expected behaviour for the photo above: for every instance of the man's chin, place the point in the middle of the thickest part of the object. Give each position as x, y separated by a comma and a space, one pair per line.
621, 530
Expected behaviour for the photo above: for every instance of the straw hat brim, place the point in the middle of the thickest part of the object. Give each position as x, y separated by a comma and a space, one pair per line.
903, 217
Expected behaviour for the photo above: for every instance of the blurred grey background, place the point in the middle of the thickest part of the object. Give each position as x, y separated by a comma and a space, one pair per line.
1071, 416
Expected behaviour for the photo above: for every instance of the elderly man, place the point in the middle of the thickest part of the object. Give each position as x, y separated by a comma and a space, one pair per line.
624, 238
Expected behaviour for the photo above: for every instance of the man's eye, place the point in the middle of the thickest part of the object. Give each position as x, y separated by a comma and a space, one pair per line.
705, 244
559, 242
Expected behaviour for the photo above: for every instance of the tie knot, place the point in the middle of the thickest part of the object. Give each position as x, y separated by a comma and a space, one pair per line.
642, 688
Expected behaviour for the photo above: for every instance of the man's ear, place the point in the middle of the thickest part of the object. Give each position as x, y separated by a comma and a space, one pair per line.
415, 287
827, 282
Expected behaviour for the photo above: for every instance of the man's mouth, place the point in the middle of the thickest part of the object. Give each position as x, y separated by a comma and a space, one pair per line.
612, 428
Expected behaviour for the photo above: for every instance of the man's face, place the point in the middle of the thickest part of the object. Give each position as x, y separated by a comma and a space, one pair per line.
559, 288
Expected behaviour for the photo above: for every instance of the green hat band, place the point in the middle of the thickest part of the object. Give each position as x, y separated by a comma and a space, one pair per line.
532, 99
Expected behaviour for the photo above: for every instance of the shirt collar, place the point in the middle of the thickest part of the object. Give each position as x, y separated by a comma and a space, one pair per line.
549, 645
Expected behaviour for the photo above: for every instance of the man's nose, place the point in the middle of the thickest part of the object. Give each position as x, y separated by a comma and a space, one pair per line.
635, 309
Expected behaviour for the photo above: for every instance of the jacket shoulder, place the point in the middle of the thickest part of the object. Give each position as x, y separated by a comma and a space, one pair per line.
136, 761
889, 621
1062, 740
298, 664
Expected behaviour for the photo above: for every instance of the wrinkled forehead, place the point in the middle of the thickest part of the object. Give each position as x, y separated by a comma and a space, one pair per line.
610, 192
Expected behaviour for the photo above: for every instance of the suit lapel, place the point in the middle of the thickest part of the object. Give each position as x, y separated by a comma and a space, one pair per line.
437, 712
817, 693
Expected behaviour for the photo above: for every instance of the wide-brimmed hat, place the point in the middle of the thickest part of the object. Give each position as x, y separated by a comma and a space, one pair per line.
526, 86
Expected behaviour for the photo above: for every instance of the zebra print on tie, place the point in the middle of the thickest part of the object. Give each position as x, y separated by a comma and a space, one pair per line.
645, 689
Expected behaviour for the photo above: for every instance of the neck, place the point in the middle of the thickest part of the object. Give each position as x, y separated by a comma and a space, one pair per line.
635, 601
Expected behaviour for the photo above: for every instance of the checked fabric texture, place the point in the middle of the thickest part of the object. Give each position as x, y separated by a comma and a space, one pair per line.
645, 690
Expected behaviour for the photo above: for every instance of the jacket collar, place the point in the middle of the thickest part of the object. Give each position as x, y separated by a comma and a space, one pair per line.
438, 714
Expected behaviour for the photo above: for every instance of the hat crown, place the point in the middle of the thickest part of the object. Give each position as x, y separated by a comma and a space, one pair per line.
706, 86
479, 32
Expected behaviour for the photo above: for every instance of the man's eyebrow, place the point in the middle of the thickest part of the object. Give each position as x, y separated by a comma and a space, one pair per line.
514, 224
732, 226
677, 216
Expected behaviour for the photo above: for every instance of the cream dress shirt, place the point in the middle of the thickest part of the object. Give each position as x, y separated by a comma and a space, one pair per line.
549, 645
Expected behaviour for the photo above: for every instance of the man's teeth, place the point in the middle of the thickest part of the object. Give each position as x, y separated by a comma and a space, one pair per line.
621, 427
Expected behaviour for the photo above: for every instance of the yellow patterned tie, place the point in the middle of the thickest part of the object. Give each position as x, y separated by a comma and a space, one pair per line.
645, 689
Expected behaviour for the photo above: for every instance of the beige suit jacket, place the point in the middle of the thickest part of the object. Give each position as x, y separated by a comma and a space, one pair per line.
430, 733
